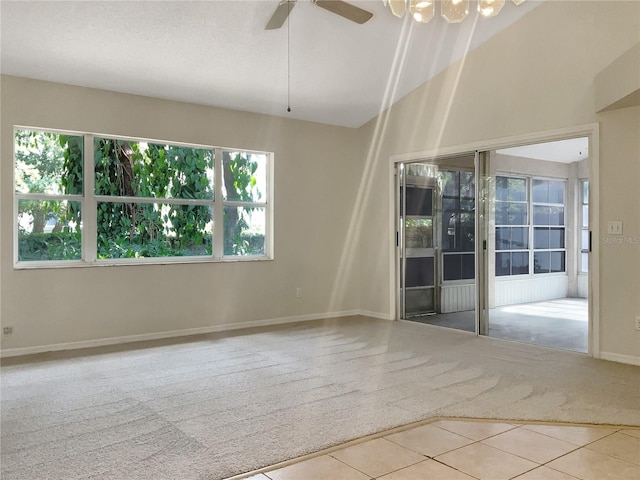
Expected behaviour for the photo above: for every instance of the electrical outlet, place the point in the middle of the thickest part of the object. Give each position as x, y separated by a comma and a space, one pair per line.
638, 323
298, 292
7, 330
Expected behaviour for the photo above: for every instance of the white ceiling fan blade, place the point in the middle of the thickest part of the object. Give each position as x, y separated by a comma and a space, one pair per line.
346, 10
281, 14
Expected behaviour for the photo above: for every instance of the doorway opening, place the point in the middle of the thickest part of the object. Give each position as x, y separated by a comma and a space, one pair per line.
538, 244
519, 271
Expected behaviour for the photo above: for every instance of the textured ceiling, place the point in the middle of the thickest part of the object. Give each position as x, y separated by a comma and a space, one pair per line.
218, 53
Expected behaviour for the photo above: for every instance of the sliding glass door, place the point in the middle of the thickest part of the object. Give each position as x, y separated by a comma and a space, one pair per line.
436, 242
417, 190
497, 243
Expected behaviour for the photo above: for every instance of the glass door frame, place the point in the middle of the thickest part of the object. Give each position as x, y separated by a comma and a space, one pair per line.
400, 175
404, 251
481, 164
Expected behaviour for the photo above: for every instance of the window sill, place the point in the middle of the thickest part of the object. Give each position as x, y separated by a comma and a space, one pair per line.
529, 276
53, 264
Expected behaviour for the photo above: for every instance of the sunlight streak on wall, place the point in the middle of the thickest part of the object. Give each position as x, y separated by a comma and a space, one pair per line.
349, 255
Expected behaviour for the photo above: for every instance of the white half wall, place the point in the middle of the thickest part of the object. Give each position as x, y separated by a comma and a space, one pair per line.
583, 285
531, 289
457, 298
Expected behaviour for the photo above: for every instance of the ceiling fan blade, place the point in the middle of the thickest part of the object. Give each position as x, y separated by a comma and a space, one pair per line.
346, 10
281, 14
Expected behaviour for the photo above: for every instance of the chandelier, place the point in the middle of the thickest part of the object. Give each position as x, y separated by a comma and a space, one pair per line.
453, 11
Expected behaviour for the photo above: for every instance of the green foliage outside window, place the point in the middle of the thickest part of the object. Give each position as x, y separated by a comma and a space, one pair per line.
240, 185
52, 164
138, 169
48, 164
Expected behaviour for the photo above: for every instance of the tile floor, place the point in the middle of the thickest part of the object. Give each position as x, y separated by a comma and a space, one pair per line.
464, 449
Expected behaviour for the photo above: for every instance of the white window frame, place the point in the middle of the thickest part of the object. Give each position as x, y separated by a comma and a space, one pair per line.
531, 227
89, 201
527, 202
218, 233
581, 251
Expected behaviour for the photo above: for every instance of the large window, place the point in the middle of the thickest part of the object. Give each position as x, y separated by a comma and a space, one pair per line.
153, 200
95, 199
512, 226
49, 200
530, 226
548, 226
244, 198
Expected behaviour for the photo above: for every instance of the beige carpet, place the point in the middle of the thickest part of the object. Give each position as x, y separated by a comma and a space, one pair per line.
218, 405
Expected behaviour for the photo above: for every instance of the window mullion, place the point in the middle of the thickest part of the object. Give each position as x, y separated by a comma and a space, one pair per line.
218, 209
48, 196
531, 228
90, 205
231, 203
151, 200
16, 234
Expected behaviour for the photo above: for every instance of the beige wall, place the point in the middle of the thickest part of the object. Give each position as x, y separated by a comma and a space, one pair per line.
620, 200
536, 76
315, 169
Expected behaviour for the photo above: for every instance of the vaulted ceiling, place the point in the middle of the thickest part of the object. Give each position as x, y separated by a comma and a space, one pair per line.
218, 52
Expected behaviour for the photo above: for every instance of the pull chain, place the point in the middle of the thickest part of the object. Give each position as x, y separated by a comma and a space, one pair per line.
289, 57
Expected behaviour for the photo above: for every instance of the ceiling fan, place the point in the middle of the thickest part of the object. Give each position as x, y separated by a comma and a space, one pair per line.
344, 9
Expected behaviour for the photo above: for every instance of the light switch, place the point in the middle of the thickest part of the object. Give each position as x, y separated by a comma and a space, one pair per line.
615, 227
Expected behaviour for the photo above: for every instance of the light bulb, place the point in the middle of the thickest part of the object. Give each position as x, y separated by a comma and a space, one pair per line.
398, 7
490, 8
454, 11
422, 10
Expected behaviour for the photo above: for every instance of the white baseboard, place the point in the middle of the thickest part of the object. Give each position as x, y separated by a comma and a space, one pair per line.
101, 342
620, 358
